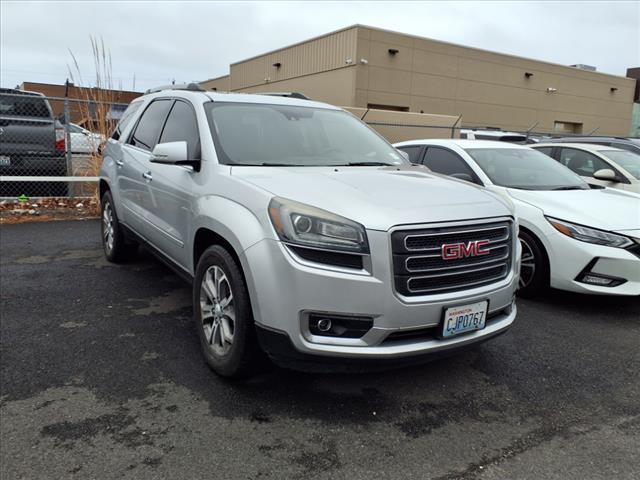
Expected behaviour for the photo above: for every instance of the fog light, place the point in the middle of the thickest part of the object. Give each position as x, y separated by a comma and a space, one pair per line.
336, 325
593, 280
324, 324
600, 280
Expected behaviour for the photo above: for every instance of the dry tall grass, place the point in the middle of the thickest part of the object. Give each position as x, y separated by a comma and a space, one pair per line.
96, 102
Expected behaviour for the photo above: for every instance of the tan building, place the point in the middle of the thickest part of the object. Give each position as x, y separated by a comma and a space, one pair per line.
367, 67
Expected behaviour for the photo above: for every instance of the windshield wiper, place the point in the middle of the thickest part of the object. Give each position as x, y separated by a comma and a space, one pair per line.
370, 164
569, 187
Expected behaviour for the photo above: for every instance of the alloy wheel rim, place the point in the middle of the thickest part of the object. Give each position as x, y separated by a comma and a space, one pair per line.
527, 265
107, 227
217, 310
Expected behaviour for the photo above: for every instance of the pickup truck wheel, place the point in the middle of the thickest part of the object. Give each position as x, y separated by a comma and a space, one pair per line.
223, 316
534, 269
114, 242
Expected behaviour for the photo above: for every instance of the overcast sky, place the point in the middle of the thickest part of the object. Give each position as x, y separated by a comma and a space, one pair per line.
160, 41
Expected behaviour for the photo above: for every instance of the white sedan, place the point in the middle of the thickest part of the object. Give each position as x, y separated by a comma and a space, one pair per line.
600, 164
83, 140
574, 237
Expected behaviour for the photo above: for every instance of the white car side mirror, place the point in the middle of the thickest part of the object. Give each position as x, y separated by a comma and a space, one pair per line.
605, 174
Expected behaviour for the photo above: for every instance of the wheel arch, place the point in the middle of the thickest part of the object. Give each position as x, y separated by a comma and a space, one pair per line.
543, 248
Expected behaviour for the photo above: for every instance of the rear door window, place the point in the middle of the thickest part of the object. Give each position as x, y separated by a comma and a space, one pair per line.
414, 152
127, 116
546, 150
446, 162
150, 124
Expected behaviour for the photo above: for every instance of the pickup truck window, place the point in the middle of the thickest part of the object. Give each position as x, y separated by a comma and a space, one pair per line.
283, 135
24, 106
148, 129
182, 126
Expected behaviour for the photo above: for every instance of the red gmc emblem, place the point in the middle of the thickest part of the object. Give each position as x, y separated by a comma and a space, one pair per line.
456, 251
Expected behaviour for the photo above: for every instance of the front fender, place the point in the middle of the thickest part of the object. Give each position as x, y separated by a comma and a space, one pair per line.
237, 224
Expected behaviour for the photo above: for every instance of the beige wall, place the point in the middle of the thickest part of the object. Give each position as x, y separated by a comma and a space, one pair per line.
333, 51
221, 84
335, 87
486, 88
401, 126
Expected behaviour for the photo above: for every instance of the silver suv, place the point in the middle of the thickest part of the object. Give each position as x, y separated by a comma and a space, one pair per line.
305, 235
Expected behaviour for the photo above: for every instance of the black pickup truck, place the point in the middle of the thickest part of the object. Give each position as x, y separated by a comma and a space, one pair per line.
32, 143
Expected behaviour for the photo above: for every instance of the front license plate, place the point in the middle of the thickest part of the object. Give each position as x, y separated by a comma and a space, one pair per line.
465, 318
5, 161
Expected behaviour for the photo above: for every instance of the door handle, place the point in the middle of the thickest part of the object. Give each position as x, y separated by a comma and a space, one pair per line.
147, 176
120, 163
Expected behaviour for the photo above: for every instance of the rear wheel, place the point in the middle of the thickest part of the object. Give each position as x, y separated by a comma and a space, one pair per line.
223, 316
534, 268
114, 243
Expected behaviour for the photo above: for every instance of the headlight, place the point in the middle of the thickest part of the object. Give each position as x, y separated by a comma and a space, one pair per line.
590, 235
307, 226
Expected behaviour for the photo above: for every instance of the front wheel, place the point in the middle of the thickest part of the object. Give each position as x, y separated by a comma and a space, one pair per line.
223, 316
534, 268
114, 242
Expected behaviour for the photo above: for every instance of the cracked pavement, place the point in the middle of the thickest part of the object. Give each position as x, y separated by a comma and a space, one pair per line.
101, 377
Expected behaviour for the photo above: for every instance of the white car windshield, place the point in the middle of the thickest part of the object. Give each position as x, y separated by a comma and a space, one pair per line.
628, 160
525, 169
284, 135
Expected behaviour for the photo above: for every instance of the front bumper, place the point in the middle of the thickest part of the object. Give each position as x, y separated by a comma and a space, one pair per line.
569, 258
284, 290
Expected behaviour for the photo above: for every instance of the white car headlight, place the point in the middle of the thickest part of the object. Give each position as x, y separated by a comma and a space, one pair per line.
307, 226
590, 235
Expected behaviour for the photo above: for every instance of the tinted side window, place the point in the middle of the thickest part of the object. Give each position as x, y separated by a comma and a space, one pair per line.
627, 146
24, 106
148, 128
182, 126
446, 162
127, 116
545, 150
581, 162
413, 152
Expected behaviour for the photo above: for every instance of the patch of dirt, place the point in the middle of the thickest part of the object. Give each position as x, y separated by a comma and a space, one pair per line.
47, 209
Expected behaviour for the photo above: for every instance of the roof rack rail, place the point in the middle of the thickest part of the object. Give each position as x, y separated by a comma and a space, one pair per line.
298, 95
193, 87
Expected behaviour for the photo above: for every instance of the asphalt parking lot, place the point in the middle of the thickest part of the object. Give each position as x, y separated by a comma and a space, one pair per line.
101, 377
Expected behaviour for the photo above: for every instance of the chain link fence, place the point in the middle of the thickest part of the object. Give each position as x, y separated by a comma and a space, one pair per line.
50, 146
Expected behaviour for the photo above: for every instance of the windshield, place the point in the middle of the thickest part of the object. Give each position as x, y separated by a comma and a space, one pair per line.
525, 168
284, 135
628, 160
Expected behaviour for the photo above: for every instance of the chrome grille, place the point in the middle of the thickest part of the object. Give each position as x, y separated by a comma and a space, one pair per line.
420, 269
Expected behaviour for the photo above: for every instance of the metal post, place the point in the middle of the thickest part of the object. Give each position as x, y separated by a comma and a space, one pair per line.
67, 136
453, 127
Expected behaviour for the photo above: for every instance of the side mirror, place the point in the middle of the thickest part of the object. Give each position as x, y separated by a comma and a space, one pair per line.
172, 153
605, 174
169, 153
462, 176
403, 154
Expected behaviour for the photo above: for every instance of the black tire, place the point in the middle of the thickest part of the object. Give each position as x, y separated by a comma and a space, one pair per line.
534, 267
117, 248
242, 355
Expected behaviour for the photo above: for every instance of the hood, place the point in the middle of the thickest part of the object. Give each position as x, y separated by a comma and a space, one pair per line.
606, 209
377, 197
